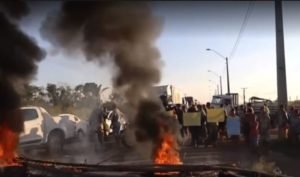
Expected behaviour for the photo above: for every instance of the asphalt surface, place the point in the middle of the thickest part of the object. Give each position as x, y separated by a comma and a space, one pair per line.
226, 153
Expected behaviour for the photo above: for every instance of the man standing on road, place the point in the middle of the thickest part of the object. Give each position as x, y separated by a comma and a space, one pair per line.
264, 125
116, 125
246, 124
95, 122
254, 129
267, 108
212, 130
222, 125
294, 126
291, 112
179, 113
203, 125
194, 129
233, 125
282, 122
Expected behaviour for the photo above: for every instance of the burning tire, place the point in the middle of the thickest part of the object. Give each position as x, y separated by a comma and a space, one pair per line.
55, 142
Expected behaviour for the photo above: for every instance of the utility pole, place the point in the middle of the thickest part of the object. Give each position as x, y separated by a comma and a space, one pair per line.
227, 69
281, 71
221, 91
244, 95
216, 91
220, 78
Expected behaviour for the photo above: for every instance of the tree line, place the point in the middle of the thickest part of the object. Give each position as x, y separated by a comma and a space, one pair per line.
65, 99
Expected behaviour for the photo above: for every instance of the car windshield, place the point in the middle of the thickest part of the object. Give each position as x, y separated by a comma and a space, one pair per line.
151, 83
216, 100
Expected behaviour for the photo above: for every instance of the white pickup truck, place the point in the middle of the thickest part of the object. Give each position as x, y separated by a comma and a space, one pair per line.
41, 129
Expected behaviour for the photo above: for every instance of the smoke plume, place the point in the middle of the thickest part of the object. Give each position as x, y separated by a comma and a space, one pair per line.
122, 33
18, 58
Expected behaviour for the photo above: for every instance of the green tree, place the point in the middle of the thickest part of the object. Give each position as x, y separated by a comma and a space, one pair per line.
79, 87
91, 88
33, 95
65, 97
52, 93
30, 91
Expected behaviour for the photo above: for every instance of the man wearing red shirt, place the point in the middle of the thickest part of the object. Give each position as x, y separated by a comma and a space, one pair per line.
254, 125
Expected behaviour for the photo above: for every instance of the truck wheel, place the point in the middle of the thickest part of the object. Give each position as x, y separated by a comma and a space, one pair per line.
55, 142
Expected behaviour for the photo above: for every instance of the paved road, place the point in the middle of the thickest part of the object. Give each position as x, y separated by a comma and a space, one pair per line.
225, 153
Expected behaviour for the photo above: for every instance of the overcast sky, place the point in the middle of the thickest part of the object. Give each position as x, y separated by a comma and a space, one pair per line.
189, 28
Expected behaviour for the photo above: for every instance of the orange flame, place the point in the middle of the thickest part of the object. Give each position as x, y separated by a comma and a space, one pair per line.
8, 145
166, 153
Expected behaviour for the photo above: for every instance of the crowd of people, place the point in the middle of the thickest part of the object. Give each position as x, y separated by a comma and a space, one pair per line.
206, 133
240, 123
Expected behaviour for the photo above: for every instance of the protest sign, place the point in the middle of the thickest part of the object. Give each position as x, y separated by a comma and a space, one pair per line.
233, 125
215, 115
191, 119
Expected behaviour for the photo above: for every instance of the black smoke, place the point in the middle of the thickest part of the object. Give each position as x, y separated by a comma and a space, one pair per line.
18, 61
121, 33
153, 123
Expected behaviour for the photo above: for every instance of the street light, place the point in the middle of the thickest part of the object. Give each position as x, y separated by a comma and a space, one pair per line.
226, 59
220, 77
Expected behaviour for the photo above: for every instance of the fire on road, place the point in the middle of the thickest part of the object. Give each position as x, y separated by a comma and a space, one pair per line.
227, 155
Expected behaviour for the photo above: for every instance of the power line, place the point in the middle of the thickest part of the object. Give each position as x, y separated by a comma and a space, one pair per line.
242, 29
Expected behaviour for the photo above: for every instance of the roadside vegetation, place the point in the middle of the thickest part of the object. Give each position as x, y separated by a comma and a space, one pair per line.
80, 100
